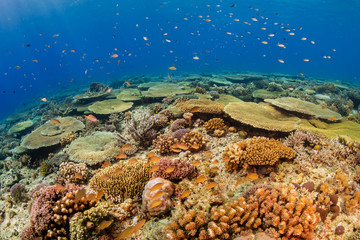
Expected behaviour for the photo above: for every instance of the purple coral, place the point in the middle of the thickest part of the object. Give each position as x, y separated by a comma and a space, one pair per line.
178, 124
180, 133
182, 170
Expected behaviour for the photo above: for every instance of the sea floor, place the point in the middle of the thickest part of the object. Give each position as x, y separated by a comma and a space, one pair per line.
221, 156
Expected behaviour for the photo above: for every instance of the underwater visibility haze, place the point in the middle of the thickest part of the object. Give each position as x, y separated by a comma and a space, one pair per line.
198, 119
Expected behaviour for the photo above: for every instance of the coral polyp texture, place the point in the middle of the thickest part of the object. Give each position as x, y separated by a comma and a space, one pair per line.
194, 140
122, 180
214, 124
182, 169
256, 151
163, 144
280, 208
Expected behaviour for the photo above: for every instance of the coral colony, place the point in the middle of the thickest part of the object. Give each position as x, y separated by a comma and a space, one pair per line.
250, 157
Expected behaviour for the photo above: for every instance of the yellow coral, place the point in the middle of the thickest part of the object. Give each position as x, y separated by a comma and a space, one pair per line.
203, 106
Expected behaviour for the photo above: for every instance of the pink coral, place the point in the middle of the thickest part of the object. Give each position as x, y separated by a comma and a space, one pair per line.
178, 124
180, 133
182, 170
149, 198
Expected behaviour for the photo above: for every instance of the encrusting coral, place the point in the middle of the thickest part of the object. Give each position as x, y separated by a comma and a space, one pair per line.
256, 151
122, 180
279, 207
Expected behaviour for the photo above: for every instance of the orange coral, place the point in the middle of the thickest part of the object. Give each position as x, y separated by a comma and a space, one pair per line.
214, 124
256, 151
280, 207
194, 140
163, 143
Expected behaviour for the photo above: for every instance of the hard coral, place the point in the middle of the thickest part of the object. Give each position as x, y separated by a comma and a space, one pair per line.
281, 208
214, 124
122, 180
149, 198
182, 169
194, 140
163, 144
72, 173
256, 151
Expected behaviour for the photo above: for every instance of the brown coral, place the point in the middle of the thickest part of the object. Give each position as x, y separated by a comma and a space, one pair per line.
203, 106
72, 173
181, 170
163, 143
194, 140
281, 208
214, 124
256, 151
122, 180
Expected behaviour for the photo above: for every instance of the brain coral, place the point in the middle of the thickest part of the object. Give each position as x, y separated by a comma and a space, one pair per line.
50, 134
256, 151
281, 207
203, 106
122, 180
99, 147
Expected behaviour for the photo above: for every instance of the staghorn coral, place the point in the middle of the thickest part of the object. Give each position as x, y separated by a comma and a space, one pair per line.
149, 197
182, 169
163, 144
122, 180
194, 140
256, 151
214, 124
280, 208
72, 173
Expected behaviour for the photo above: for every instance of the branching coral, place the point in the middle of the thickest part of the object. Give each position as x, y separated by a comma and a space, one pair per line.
122, 180
280, 207
181, 170
72, 173
256, 151
214, 124
163, 144
194, 140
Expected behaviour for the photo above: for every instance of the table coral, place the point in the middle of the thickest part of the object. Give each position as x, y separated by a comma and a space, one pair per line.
204, 105
256, 151
280, 207
122, 180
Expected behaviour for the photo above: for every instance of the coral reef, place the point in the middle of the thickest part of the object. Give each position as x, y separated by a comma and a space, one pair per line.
163, 144
203, 106
72, 173
194, 140
122, 180
256, 151
178, 124
181, 170
280, 208
18, 193
214, 124
157, 201
178, 134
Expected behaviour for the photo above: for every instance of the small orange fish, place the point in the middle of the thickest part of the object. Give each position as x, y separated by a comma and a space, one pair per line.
72, 51
333, 118
200, 178
43, 99
157, 195
156, 187
133, 160
280, 60
126, 147
185, 194
252, 176
226, 159
196, 163
139, 225
182, 146
103, 225
121, 155
323, 107
150, 154
56, 35
105, 164
306, 60
302, 74
99, 194
154, 159
85, 71
169, 76
55, 121
114, 56
195, 109
118, 62
195, 146
238, 182
35, 61
128, 83
169, 169
79, 195
78, 176
118, 171
91, 197
91, 118
215, 161
17, 67
196, 58
214, 169
155, 204
104, 177
207, 20
172, 68
59, 187
108, 90
211, 185
154, 168
127, 232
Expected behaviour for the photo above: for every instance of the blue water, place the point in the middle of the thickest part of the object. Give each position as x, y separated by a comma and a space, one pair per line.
96, 29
